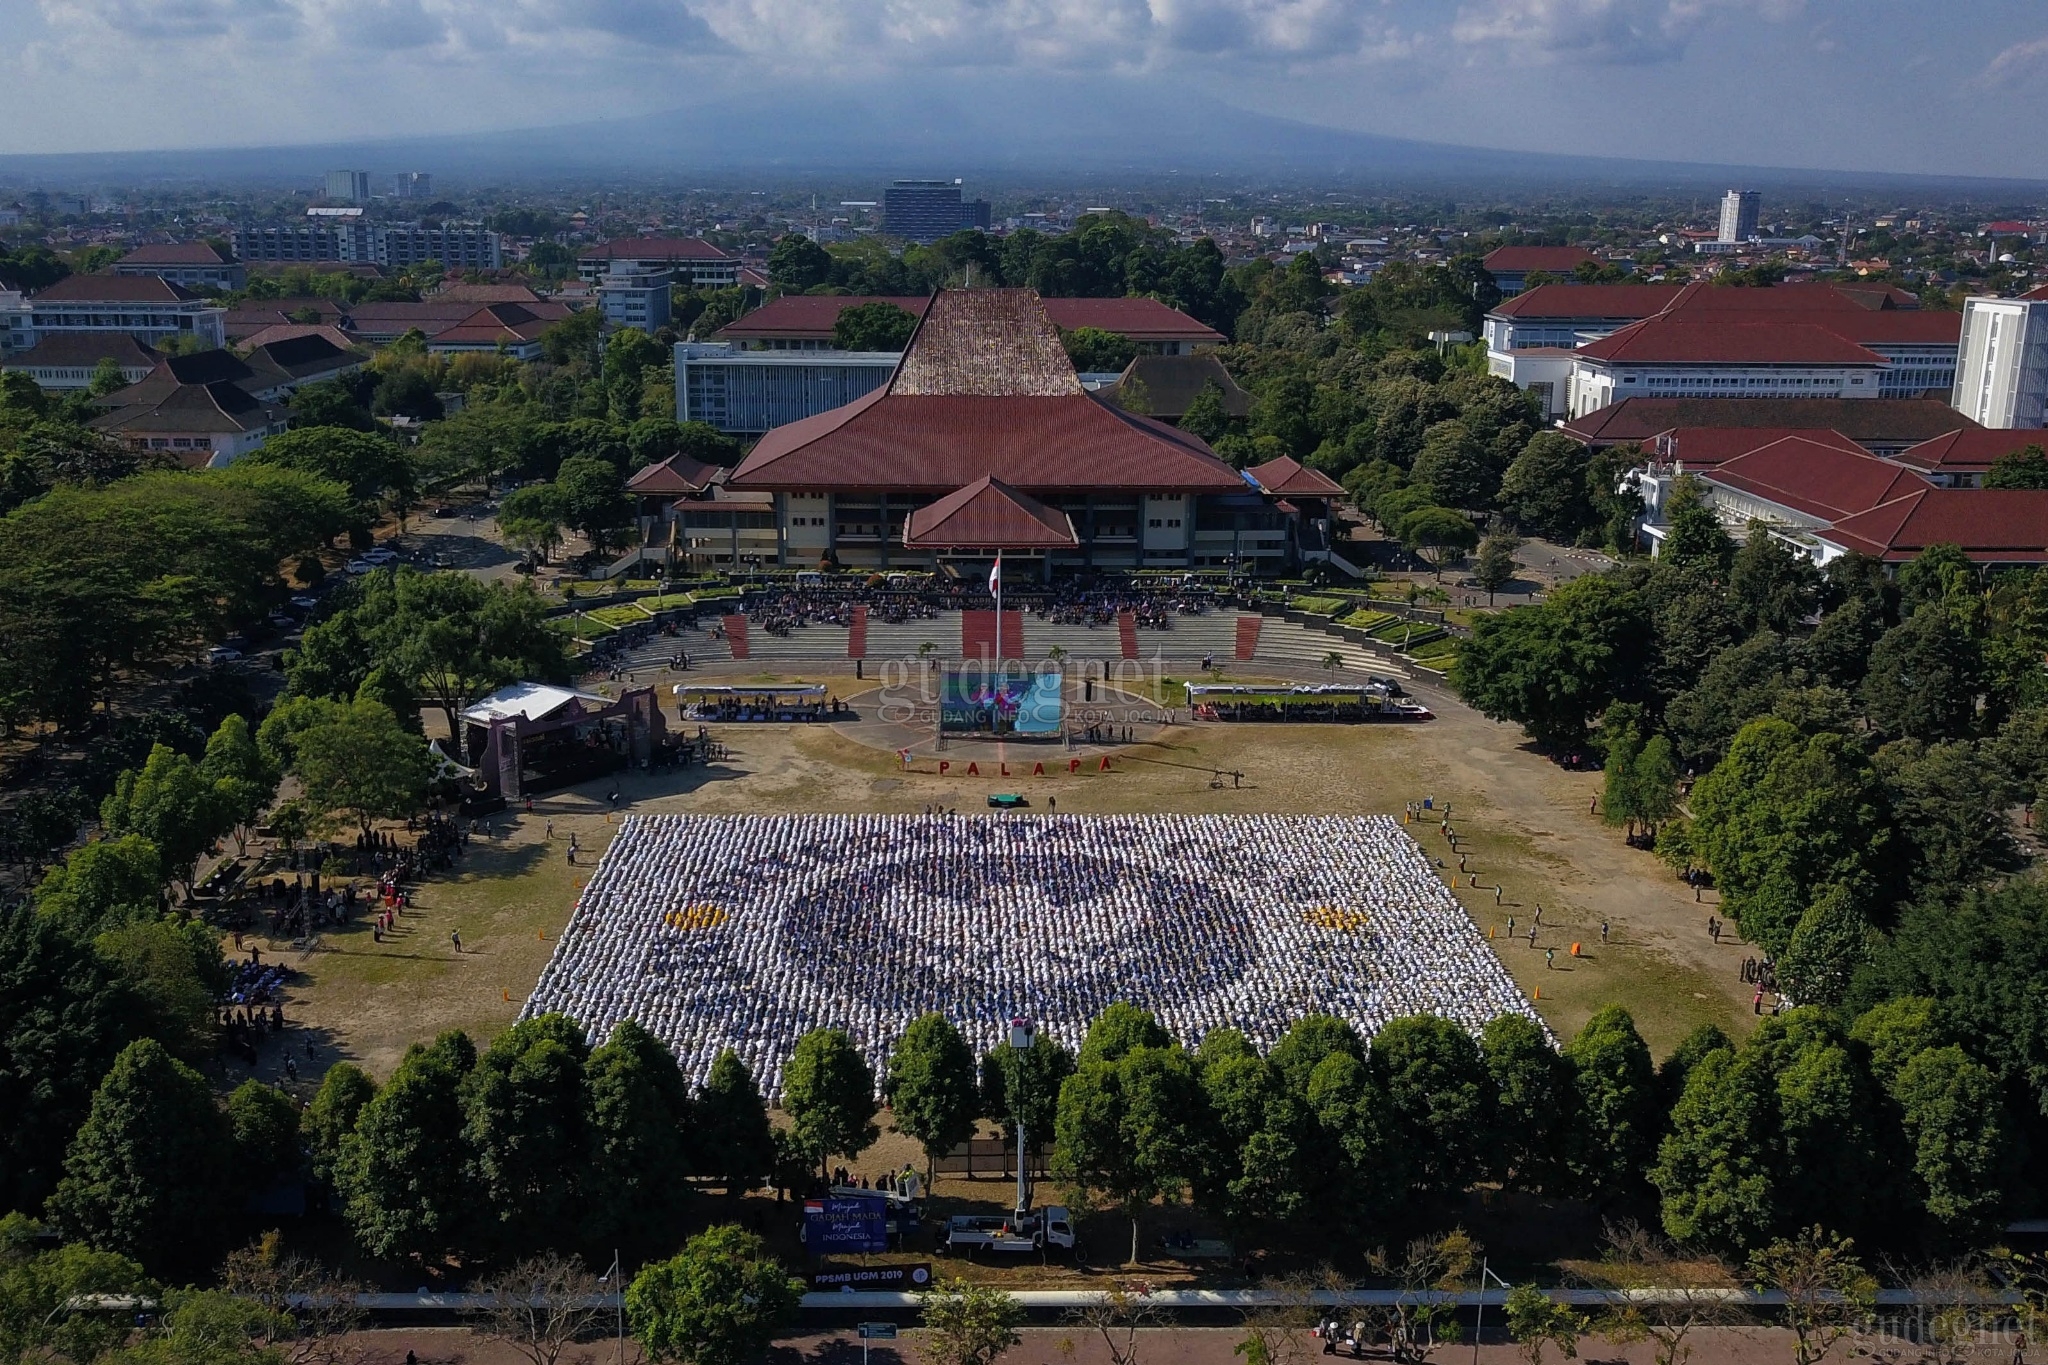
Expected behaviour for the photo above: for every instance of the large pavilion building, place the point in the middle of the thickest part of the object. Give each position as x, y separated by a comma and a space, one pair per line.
984, 424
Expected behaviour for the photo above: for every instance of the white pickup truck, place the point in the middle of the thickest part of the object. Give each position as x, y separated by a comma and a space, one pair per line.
1048, 1228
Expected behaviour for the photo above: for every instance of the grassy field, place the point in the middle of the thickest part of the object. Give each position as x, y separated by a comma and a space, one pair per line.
514, 890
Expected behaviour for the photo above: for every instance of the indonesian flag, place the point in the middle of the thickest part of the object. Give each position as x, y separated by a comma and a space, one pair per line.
995, 575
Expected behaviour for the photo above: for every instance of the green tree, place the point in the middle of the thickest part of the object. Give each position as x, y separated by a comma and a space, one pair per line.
1827, 946
1442, 1101
1496, 565
345, 1091
1025, 1085
330, 403
592, 495
829, 1092
1131, 1129
1828, 1293
1536, 1320
104, 885
1552, 667
403, 1174
968, 1324
146, 1173
371, 466
242, 780
1097, 351
263, 1127
107, 377
877, 326
36, 1289
735, 1141
532, 518
1538, 1103
1714, 1166
1954, 1118
2024, 468
932, 1088
1695, 538
640, 1129
1119, 1029
1544, 490
1897, 1031
526, 1106
65, 1013
797, 263
1783, 816
363, 764
1618, 1098
1618, 804
1926, 676
1438, 536
178, 976
1655, 783
720, 1301
1206, 417
1771, 586
169, 803
1455, 469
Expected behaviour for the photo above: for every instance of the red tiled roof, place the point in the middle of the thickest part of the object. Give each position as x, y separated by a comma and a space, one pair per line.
1663, 341
115, 289
1998, 525
2036, 294
654, 249
1699, 448
1560, 260
1860, 419
483, 293
83, 350
1971, 451
988, 514
502, 322
1818, 478
1590, 301
809, 317
289, 331
178, 253
1289, 475
677, 474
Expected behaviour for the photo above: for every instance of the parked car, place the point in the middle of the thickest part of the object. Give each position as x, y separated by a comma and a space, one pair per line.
221, 654
380, 554
444, 510
306, 603
360, 566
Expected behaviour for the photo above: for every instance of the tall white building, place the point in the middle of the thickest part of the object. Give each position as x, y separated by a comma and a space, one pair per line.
1739, 210
2002, 368
350, 187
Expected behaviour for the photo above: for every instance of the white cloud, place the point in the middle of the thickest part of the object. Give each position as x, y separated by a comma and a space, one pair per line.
1601, 31
2017, 63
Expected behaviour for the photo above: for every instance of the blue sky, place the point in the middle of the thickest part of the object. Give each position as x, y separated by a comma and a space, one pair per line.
1954, 86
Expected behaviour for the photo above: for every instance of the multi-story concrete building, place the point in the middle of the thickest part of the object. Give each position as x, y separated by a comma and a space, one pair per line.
926, 210
747, 393
350, 187
144, 307
2002, 372
196, 265
1739, 213
629, 298
412, 185
354, 242
685, 260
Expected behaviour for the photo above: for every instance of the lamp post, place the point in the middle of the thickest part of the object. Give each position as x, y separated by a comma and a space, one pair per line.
618, 1284
1022, 1036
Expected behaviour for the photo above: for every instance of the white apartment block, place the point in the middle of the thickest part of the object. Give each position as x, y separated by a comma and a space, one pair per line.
2002, 370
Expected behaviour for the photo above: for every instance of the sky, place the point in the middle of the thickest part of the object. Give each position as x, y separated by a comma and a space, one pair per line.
1949, 87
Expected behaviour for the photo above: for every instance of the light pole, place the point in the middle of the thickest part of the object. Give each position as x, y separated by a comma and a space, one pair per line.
617, 1282
1022, 1036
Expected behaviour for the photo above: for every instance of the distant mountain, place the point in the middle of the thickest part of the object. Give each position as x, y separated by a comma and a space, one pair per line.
1068, 131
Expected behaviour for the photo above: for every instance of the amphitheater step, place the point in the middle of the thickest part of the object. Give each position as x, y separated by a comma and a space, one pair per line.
978, 635
857, 636
1127, 633
736, 633
1247, 636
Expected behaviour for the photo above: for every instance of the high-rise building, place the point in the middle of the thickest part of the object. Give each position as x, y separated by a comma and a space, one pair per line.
412, 185
926, 210
1739, 214
351, 187
2002, 368
458, 247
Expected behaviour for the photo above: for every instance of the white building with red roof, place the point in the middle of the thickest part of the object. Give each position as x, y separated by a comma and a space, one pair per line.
1511, 266
196, 265
985, 409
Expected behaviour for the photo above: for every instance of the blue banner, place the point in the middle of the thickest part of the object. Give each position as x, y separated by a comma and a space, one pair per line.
838, 1225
